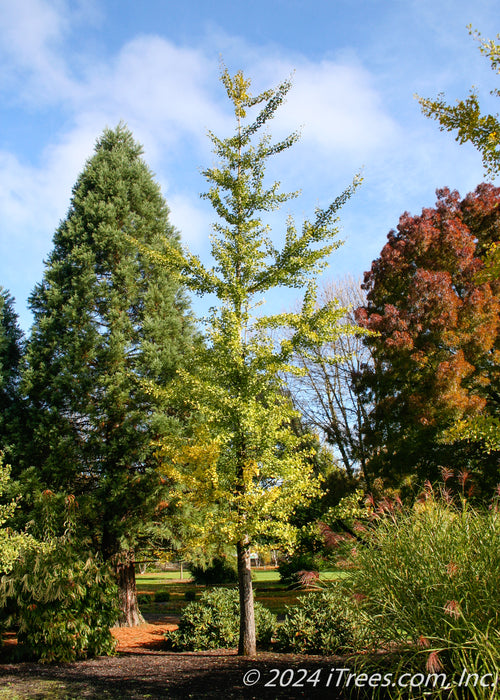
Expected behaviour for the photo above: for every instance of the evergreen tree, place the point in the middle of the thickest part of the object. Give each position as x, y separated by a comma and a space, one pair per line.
244, 457
11, 350
106, 318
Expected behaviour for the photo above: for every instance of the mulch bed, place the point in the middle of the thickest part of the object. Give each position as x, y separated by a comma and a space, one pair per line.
145, 637
143, 669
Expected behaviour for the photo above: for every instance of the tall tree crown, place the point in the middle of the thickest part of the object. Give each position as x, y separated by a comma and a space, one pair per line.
437, 350
105, 318
258, 469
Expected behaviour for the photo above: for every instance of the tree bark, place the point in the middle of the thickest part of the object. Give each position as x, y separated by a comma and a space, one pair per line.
247, 645
124, 563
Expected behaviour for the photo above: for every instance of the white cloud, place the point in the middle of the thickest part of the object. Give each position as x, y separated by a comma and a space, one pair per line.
339, 108
36, 197
31, 33
169, 95
191, 219
156, 87
334, 102
30, 26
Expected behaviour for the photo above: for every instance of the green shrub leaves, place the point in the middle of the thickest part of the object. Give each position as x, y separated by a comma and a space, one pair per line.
63, 601
213, 623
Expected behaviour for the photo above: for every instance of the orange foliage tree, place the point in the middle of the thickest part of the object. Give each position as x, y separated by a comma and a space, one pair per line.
436, 355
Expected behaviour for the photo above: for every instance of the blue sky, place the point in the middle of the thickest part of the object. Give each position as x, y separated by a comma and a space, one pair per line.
72, 67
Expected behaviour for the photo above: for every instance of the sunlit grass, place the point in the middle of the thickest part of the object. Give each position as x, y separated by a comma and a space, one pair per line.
333, 575
267, 585
163, 576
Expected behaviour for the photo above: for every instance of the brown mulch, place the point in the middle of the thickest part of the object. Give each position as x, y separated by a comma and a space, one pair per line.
145, 637
143, 669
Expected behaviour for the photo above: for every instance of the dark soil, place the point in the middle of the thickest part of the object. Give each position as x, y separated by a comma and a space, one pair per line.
142, 669
163, 675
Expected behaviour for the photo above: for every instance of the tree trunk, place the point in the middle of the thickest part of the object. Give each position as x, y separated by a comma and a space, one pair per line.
124, 563
247, 645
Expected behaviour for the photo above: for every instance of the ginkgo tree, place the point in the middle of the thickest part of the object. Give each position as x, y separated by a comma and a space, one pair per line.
241, 458
465, 117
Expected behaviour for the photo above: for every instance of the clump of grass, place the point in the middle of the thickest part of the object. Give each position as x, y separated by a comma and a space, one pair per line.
428, 579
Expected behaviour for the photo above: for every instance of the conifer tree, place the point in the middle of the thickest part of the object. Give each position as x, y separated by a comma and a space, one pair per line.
244, 457
11, 350
105, 319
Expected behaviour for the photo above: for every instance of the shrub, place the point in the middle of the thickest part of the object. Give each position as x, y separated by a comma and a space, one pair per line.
296, 564
429, 580
219, 571
318, 624
63, 603
11, 542
308, 579
213, 623
162, 597
145, 598
190, 595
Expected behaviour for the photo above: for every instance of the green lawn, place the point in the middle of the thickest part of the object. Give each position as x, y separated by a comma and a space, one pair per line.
161, 578
268, 590
333, 575
259, 575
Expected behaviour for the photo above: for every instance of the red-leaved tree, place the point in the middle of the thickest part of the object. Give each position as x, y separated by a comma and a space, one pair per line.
436, 355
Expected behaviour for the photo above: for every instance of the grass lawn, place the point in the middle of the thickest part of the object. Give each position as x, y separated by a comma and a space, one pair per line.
333, 575
267, 585
162, 577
